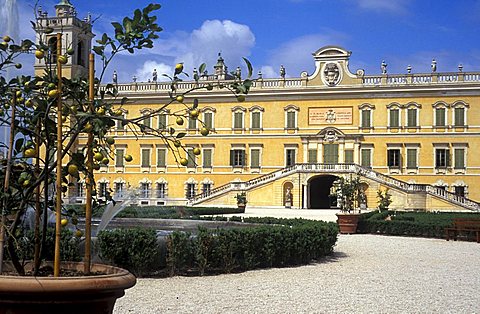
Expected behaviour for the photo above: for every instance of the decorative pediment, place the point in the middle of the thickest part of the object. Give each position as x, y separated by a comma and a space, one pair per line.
330, 134
332, 52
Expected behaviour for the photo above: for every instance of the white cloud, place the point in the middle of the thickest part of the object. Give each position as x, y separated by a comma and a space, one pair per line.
202, 45
393, 6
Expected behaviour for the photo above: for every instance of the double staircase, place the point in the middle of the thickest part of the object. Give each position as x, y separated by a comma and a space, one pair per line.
355, 169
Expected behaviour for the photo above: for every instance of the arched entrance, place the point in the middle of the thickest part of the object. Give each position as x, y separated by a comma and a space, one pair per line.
319, 191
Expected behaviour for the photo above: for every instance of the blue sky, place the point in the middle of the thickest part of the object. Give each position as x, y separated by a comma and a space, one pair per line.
275, 32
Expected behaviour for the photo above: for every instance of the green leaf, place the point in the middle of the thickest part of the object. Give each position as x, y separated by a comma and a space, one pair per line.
19, 144
118, 27
195, 103
249, 67
181, 135
98, 50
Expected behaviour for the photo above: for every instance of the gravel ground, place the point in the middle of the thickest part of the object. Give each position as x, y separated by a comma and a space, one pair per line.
367, 274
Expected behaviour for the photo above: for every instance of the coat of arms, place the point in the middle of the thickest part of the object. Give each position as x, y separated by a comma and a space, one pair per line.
331, 74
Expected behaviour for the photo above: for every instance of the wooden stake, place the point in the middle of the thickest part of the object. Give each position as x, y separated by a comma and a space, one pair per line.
58, 204
89, 179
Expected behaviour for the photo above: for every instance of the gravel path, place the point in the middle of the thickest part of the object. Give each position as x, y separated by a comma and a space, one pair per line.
367, 274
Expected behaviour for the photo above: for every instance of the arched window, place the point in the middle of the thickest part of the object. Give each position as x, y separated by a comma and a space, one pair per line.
52, 47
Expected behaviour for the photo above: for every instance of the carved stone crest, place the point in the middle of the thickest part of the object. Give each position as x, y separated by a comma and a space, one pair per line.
331, 136
331, 74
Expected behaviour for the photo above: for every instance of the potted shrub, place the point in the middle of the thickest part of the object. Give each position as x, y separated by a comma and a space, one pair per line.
241, 201
384, 199
349, 195
47, 115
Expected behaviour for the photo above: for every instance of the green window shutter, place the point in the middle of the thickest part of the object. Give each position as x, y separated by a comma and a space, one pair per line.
232, 157
190, 158
243, 158
459, 158
119, 155
207, 158
256, 120
349, 156
238, 120
366, 158
146, 121
192, 123
394, 118
161, 157
440, 117
459, 116
255, 158
208, 120
162, 121
312, 156
145, 157
366, 123
291, 120
330, 153
411, 158
412, 117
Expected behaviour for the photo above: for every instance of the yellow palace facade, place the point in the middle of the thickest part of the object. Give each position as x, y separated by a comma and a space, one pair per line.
415, 134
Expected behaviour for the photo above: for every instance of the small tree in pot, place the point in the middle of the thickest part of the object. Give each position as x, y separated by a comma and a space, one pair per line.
350, 195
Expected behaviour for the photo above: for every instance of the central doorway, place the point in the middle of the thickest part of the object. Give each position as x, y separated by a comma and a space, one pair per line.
319, 192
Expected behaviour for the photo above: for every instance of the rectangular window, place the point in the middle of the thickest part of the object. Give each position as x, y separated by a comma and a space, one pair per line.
366, 121
161, 157
119, 123
80, 189
161, 190
312, 156
207, 158
459, 158
394, 118
255, 158
366, 158
290, 157
102, 189
255, 120
119, 189
162, 121
206, 188
442, 156
192, 123
393, 158
412, 158
147, 121
291, 120
208, 120
119, 155
349, 156
190, 158
330, 153
460, 191
412, 117
440, 117
238, 120
145, 157
460, 117
237, 158
144, 190
190, 193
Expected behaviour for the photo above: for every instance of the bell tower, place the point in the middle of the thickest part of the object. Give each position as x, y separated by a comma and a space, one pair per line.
76, 39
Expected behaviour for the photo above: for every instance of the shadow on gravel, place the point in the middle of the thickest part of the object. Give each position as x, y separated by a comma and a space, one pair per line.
335, 257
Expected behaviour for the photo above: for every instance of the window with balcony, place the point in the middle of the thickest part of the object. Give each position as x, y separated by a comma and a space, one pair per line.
330, 153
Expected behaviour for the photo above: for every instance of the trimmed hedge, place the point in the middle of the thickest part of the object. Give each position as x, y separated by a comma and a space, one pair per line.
417, 224
286, 242
134, 249
135, 211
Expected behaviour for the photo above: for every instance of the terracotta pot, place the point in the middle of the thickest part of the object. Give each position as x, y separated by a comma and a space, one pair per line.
73, 295
348, 222
241, 207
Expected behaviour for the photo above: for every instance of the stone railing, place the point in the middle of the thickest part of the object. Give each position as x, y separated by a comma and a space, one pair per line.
420, 78
342, 168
